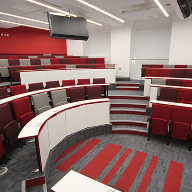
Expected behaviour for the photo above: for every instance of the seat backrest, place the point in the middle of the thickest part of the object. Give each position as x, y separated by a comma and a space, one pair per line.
184, 96
83, 81
186, 83
91, 60
36, 67
4, 62
77, 94
164, 73
31, 67
100, 60
98, 80
161, 111
36, 86
82, 60
180, 66
64, 61
174, 82
45, 62
20, 107
4, 93
24, 62
13, 62
52, 84
179, 73
152, 72
168, 94
55, 61
94, 92
35, 61
188, 73
18, 89
59, 97
12, 69
40, 103
182, 114
73, 61
6, 116
69, 82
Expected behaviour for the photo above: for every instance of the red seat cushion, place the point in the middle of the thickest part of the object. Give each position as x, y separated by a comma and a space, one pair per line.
100, 60
159, 126
26, 118
164, 73
152, 72
168, 94
18, 89
186, 83
68, 83
184, 96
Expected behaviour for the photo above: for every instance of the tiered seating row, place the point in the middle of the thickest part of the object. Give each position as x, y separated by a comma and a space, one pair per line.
148, 66
171, 121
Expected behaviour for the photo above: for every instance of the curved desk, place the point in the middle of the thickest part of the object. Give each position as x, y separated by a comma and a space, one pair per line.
52, 126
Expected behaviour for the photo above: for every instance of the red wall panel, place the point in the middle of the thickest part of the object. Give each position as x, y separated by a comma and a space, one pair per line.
26, 40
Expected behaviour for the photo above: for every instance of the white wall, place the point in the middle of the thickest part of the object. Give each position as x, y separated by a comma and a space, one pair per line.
75, 47
181, 42
121, 49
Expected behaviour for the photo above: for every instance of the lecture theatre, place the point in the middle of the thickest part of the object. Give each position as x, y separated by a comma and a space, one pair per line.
95, 96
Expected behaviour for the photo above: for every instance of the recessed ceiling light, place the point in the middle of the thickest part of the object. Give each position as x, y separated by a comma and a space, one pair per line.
61, 11
102, 11
26, 18
161, 7
22, 24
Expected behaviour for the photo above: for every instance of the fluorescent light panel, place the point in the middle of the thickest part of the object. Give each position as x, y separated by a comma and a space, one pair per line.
61, 11
10, 22
102, 11
26, 18
161, 7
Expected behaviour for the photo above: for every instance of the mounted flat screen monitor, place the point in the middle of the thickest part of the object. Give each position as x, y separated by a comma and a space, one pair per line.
67, 27
186, 7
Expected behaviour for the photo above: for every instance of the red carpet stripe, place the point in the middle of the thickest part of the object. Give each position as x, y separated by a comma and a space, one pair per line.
98, 164
131, 171
115, 168
78, 155
69, 150
148, 174
174, 176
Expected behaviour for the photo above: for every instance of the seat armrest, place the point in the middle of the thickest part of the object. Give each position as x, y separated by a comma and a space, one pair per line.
43, 109
149, 119
26, 118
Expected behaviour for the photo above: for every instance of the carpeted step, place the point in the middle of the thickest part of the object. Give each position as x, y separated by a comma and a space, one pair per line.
127, 88
129, 122
137, 97
132, 105
128, 84
122, 110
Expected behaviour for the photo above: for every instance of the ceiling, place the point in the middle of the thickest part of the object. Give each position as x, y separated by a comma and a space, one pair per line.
139, 13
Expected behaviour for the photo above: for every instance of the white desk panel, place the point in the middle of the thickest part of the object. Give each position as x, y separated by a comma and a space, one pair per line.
76, 182
108, 74
82, 74
33, 77
60, 75
43, 139
98, 114
76, 119
57, 129
153, 95
147, 87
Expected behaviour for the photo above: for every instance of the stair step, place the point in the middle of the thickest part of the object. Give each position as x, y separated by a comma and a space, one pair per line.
129, 122
127, 111
136, 97
128, 84
133, 105
127, 88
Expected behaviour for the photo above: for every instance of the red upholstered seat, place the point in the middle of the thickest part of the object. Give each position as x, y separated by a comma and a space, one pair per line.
55, 61
100, 66
13, 69
35, 61
52, 84
50, 67
64, 61
4, 93
164, 73
36, 67
100, 81
36, 86
152, 72
94, 92
70, 82
143, 72
1, 148
184, 96
8, 126
168, 94
60, 66
18, 89
84, 82
77, 94
160, 116
147, 66
27, 67
22, 110
100, 60
180, 66
179, 73
80, 66
91, 66
13, 62
157, 66
188, 73
181, 123
91, 60
73, 61
186, 83
174, 82
82, 60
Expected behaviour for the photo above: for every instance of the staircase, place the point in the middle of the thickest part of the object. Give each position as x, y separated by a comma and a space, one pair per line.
128, 108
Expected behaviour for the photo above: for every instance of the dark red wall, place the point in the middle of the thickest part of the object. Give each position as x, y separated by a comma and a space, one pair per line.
26, 40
